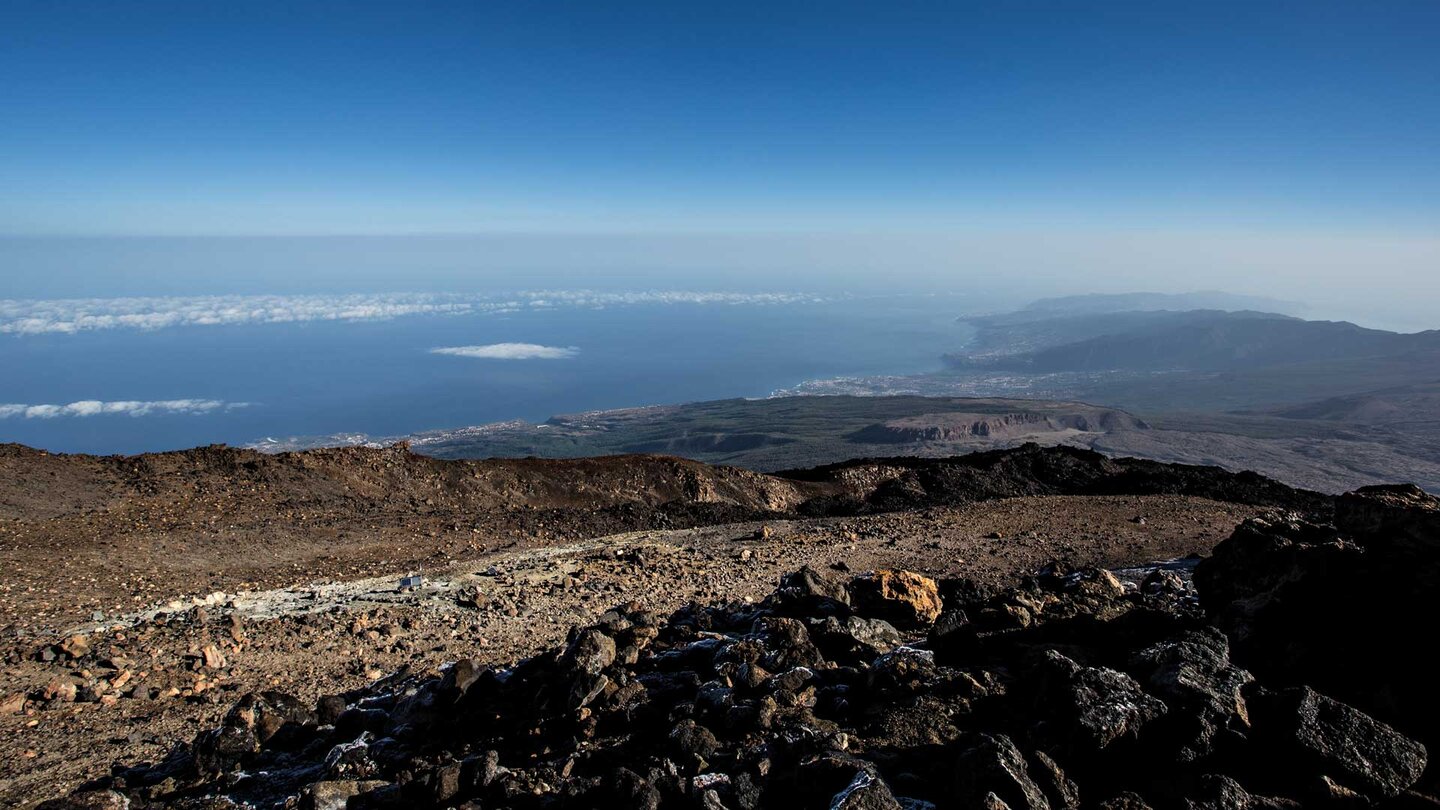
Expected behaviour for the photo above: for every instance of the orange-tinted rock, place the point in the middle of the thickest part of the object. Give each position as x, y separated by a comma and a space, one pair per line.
903, 598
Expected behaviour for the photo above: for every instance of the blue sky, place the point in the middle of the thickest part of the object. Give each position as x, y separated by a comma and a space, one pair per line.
292, 118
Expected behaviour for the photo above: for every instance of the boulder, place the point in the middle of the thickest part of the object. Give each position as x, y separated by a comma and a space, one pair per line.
903, 598
1124, 801
76, 646
1161, 582
62, 690
865, 792
1091, 708
1335, 608
991, 766
1193, 675
590, 652
336, 794
1219, 792
855, 639
693, 739
811, 592
1311, 735
825, 778
626, 788
786, 644
257, 719
1059, 789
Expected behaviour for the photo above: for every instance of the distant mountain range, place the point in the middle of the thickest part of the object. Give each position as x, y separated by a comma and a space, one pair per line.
1201, 340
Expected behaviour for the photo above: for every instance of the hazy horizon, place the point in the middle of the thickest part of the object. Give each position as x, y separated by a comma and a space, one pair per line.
1377, 279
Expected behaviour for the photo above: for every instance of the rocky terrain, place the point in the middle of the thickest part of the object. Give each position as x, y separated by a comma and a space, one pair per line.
1281, 675
146, 594
1330, 447
82, 534
767, 434
1029, 425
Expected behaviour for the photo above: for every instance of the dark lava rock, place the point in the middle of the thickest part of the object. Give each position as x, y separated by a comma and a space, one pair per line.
854, 639
809, 592
1336, 607
590, 652
1124, 801
689, 737
865, 792
270, 718
1059, 789
1306, 731
1219, 792
993, 765
1064, 691
1192, 674
1094, 707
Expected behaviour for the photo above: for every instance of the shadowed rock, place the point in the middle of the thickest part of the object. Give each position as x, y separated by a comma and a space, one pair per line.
1070, 685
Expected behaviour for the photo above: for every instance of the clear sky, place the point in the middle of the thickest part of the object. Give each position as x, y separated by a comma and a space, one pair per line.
297, 117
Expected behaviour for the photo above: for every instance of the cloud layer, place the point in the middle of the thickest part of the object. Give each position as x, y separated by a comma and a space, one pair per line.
509, 351
71, 315
95, 407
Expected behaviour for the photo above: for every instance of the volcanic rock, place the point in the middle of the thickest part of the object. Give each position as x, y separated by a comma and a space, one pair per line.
1192, 673
904, 598
1311, 732
335, 795
993, 766
855, 639
809, 592
1335, 608
799, 702
865, 792
1093, 707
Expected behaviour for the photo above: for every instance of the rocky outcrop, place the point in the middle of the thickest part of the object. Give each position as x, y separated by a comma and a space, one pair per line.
906, 598
694, 443
870, 485
1302, 728
1337, 607
953, 427
959, 427
884, 690
611, 490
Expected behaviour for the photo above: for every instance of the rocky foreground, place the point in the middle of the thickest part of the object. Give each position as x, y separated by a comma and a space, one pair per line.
1288, 673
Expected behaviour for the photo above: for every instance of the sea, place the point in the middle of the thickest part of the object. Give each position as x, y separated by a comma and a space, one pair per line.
131, 375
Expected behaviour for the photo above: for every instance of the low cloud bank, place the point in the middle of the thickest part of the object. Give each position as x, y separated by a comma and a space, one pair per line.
509, 351
72, 315
95, 407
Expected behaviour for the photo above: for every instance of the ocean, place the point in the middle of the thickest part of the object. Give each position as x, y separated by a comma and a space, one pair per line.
102, 377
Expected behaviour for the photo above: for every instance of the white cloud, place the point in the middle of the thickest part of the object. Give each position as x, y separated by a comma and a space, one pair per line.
510, 351
94, 407
72, 315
